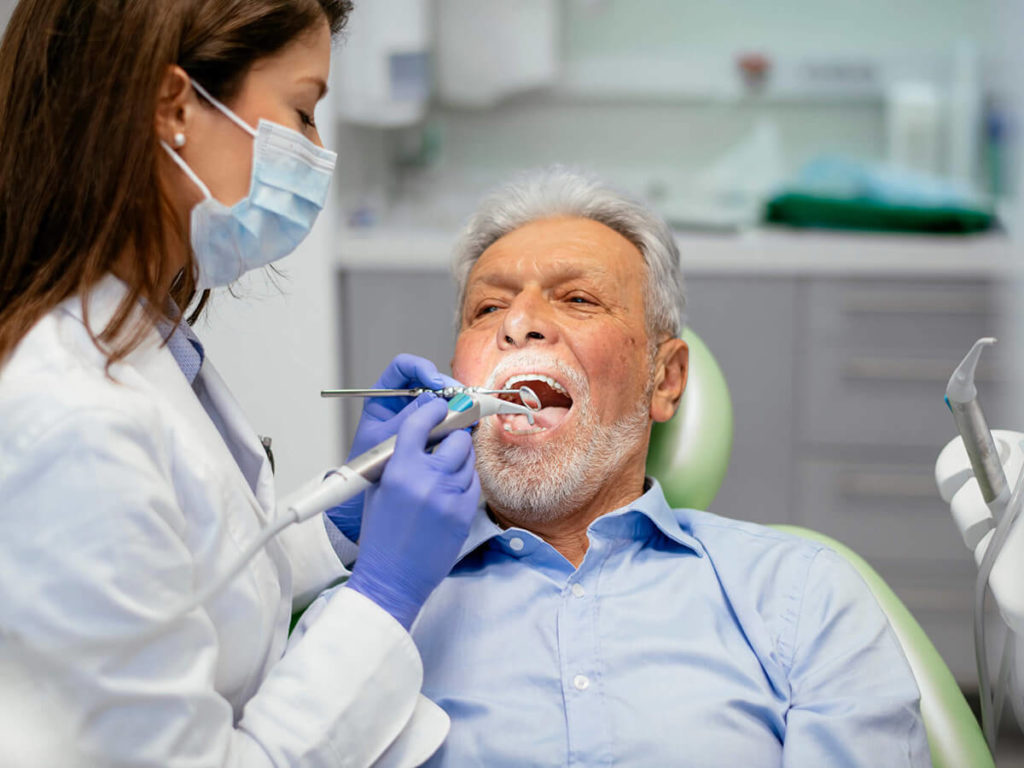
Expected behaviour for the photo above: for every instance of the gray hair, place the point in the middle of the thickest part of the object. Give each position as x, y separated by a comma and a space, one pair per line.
558, 191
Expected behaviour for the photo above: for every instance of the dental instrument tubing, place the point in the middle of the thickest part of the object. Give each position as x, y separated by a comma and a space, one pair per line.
339, 486
987, 696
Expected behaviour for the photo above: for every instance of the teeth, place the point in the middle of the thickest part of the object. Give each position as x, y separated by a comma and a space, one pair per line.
535, 377
530, 431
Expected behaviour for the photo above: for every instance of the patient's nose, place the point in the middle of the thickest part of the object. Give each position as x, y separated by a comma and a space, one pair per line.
527, 321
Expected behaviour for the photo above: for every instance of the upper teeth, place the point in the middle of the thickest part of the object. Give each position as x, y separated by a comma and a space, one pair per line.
535, 377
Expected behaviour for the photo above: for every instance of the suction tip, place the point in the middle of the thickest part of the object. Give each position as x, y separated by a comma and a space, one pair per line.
961, 387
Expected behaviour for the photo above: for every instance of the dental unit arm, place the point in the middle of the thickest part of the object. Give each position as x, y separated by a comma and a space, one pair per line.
971, 473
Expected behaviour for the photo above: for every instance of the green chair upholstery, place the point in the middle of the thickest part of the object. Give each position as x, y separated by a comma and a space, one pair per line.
689, 456
954, 736
690, 453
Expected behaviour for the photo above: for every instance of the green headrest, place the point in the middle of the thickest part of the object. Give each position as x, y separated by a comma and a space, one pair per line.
689, 454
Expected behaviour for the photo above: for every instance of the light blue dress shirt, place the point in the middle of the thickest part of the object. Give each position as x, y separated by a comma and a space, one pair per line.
683, 638
185, 348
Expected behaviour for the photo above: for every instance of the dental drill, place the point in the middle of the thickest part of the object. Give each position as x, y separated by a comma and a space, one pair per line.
341, 484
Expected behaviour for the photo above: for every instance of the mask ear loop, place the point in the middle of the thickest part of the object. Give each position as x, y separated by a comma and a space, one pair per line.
187, 171
227, 112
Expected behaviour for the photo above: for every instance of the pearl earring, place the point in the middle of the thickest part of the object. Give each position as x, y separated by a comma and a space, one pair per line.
179, 140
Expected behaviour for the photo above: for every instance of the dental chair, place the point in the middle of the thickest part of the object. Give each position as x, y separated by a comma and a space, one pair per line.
689, 456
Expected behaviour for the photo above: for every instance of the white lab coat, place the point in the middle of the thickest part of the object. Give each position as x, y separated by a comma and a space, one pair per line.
120, 499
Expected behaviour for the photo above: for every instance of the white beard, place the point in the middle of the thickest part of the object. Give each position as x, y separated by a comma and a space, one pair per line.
540, 484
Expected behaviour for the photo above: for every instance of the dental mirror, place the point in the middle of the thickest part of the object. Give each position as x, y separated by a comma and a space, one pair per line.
529, 399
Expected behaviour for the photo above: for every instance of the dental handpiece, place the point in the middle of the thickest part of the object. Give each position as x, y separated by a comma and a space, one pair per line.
360, 473
339, 486
962, 399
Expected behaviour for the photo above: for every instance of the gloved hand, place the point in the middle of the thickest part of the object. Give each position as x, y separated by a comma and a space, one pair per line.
380, 420
418, 517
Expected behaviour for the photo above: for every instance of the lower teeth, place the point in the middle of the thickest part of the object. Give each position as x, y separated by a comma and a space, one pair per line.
531, 431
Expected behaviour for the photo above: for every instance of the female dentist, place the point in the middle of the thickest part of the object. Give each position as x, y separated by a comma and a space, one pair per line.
150, 151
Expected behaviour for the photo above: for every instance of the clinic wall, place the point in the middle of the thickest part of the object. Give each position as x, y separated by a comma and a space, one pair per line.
792, 27
654, 140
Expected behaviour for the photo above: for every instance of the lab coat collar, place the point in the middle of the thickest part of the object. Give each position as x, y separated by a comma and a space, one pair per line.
153, 363
631, 521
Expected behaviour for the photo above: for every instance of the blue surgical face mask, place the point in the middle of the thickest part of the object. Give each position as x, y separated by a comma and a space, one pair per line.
290, 179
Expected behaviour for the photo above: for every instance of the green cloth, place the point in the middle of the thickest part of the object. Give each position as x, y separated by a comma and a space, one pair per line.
799, 209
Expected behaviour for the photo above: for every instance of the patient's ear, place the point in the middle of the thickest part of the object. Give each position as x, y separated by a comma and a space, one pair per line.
671, 365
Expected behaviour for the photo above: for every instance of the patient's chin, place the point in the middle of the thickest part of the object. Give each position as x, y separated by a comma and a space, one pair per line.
548, 475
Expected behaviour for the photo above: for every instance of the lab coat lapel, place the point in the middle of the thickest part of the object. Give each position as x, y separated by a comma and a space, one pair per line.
242, 441
154, 363
226, 449
161, 371
153, 367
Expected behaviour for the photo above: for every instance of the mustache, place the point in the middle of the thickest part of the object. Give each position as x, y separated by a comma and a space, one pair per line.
529, 361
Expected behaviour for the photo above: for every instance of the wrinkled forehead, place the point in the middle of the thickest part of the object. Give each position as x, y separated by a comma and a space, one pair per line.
552, 251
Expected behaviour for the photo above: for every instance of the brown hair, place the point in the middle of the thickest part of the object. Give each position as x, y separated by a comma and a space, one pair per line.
79, 182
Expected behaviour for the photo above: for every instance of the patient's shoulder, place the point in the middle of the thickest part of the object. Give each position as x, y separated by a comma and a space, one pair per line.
743, 541
772, 577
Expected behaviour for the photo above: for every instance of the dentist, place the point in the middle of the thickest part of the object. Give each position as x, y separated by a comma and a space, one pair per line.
151, 151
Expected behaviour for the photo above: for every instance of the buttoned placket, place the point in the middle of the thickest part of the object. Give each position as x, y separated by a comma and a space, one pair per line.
588, 727
589, 731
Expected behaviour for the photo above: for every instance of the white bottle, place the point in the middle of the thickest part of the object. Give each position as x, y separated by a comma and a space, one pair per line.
964, 114
914, 125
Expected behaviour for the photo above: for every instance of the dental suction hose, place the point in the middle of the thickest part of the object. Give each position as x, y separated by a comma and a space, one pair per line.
962, 399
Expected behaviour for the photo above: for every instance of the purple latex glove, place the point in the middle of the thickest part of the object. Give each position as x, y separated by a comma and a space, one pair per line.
418, 517
380, 420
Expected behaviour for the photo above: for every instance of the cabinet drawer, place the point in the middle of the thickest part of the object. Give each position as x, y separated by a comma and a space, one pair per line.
905, 317
877, 359
875, 400
889, 513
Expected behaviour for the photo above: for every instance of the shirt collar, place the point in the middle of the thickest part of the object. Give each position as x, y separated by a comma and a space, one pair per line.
184, 346
651, 507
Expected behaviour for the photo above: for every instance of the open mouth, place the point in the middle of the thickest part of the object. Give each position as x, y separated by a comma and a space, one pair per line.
555, 403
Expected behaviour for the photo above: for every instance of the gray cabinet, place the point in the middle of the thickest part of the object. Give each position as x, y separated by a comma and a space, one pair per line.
750, 324
385, 312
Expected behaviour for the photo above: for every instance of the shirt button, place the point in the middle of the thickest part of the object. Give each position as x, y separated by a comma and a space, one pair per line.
582, 682
516, 544
578, 590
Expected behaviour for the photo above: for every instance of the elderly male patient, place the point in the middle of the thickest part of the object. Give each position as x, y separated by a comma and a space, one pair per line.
587, 622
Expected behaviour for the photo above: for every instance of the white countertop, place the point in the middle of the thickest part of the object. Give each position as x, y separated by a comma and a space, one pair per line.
760, 252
